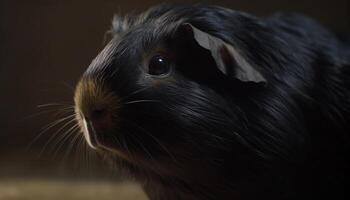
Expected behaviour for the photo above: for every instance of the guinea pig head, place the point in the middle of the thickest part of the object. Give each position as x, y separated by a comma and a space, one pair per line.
156, 94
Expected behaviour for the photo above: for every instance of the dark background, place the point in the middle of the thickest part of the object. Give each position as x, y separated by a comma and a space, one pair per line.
46, 44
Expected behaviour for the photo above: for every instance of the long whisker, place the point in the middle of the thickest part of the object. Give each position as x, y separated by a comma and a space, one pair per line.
72, 147
55, 111
155, 139
163, 147
65, 125
86, 157
79, 147
56, 122
125, 146
65, 137
48, 127
141, 101
54, 104
58, 131
117, 141
134, 93
89, 155
71, 133
142, 146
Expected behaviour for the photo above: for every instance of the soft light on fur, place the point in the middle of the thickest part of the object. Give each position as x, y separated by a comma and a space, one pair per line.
266, 117
91, 95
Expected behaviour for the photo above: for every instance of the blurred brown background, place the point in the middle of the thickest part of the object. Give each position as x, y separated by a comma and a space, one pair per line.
44, 47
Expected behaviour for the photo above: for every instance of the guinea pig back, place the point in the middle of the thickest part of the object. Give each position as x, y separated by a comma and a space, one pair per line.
204, 102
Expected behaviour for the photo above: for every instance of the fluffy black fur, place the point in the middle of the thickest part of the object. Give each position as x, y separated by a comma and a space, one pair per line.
203, 135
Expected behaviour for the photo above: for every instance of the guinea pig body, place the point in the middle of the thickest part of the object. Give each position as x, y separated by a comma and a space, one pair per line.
203, 102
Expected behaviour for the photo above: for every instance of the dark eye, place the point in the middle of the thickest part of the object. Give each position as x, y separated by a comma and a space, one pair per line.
159, 65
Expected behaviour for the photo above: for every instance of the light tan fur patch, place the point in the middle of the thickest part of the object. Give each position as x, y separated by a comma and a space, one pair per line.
91, 94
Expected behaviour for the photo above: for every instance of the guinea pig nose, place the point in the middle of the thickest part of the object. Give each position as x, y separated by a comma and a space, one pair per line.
98, 113
100, 119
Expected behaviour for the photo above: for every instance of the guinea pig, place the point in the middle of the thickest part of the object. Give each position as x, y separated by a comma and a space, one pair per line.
203, 102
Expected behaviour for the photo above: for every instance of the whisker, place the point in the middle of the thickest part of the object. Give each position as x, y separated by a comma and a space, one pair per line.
133, 93
155, 139
54, 123
141, 101
54, 104
137, 139
48, 127
78, 148
90, 157
65, 125
163, 147
56, 133
55, 111
86, 157
70, 146
64, 112
88, 154
125, 146
65, 136
41, 113
117, 141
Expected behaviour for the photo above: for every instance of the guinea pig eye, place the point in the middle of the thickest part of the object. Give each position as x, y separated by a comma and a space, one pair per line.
158, 65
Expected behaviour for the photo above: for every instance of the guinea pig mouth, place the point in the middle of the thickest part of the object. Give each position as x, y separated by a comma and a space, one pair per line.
90, 134
101, 139
95, 126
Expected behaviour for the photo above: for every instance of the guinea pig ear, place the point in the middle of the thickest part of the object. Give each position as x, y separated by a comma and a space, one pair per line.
229, 61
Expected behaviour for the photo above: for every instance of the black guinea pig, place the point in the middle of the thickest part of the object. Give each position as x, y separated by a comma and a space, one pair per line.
207, 103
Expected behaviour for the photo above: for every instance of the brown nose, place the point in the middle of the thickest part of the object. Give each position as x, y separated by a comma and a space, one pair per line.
99, 120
